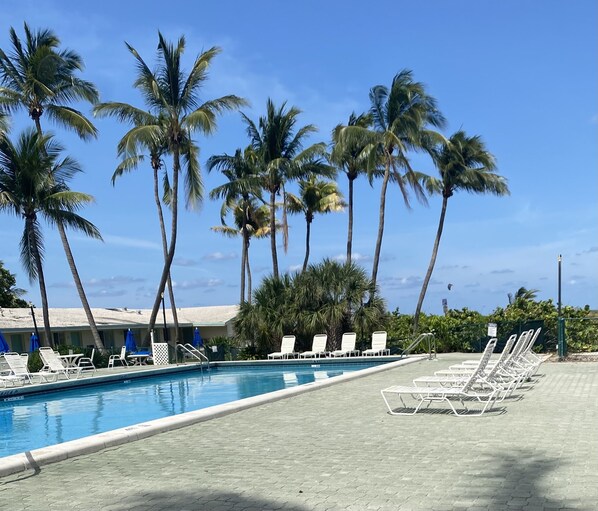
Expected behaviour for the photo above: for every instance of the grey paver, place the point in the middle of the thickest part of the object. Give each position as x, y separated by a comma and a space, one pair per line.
338, 449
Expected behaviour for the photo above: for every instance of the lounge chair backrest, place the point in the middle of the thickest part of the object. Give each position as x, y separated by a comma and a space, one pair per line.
319, 343
500, 363
379, 340
348, 341
123, 352
532, 340
288, 344
519, 346
484, 359
50, 359
17, 364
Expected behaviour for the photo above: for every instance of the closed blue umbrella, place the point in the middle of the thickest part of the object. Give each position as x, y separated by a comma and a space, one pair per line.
197, 340
3, 344
130, 341
33, 343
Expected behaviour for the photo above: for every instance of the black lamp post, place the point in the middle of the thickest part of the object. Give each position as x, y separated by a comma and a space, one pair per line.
34, 322
164, 315
560, 260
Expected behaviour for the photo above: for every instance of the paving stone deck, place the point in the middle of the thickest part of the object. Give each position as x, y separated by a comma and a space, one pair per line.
338, 449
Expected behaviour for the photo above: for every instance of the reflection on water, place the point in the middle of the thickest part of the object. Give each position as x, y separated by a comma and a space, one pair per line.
46, 419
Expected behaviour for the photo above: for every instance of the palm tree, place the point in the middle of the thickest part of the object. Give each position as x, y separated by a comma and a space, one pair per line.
281, 158
335, 298
33, 184
523, 295
401, 116
173, 95
464, 164
238, 194
351, 152
40, 78
316, 196
251, 221
131, 149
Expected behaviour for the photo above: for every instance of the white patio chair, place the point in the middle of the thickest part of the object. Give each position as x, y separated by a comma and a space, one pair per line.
378, 345
347, 346
86, 363
121, 357
19, 373
318, 347
462, 393
53, 364
287, 348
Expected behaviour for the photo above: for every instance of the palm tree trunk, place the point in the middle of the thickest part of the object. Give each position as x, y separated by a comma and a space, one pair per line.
248, 274
173, 233
175, 316
307, 232
243, 258
273, 233
380, 224
29, 228
350, 228
431, 265
70, 259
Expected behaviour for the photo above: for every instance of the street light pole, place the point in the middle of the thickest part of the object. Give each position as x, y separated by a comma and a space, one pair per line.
562, 346
560, 260
34, 322
164, 315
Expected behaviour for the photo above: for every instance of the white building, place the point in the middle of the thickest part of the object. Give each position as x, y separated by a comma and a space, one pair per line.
70, 326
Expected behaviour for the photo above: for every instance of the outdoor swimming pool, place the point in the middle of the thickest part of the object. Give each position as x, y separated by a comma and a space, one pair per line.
38, 420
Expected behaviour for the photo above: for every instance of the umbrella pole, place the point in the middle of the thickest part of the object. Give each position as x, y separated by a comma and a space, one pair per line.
35, 322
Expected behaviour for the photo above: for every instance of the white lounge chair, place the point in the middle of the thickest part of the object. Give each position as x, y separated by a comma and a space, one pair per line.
318, 347
378, 345
347, 346
19, 373
121, 357
53, 364
462, 393
287, 348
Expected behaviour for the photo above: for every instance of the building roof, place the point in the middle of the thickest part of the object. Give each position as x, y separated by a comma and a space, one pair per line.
17, 320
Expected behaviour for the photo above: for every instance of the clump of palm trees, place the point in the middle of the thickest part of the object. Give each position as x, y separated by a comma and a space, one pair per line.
41, 78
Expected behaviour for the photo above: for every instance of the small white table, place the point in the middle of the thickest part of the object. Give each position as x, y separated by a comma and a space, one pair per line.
71, 359
138, 359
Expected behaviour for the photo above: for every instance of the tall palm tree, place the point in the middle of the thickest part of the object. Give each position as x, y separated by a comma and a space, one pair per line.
282, 158
40, 78
316, 196
32, 184
251, 220
174, 96
238, 194
402, 115
131, 149
464, 164
352, 153
523, 295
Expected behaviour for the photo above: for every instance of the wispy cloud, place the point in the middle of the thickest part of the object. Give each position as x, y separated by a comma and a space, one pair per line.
359, 258
198, 284
500, 272
180, 261
219, 256
413, 281
590, 250
113, 282
295, 267
123, 241
454, 267
104, 293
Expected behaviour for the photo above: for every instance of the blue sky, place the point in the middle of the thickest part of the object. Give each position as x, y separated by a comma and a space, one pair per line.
522, 75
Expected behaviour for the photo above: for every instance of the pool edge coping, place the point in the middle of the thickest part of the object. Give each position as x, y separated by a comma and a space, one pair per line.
35, 459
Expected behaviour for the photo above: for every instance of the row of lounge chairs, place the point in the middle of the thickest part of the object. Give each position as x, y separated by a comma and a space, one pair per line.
14, 370
318, 349
483, 381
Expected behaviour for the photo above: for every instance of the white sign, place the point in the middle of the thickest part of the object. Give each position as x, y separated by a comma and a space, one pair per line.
492, 329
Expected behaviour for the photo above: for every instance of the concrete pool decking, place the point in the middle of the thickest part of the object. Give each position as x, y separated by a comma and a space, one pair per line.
337, 448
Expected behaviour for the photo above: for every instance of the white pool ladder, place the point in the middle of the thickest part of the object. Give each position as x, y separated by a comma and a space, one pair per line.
189, 349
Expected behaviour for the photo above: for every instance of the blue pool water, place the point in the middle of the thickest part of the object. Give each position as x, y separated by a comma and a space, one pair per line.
39, 420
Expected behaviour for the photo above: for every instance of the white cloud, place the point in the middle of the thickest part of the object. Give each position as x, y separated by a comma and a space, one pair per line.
123, 241
219, 256
197, 284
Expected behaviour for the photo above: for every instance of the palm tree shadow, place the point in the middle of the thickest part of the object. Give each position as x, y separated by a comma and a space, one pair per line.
199, 500
516, 479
